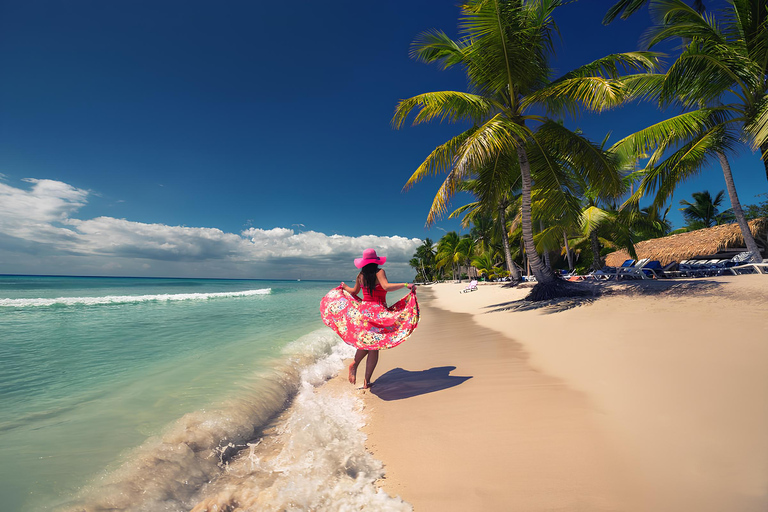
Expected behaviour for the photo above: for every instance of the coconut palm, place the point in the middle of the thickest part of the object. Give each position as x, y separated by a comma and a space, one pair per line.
724, 62
482, 228
425, 254
448, 252
466, 250
703, 211
505, 47
703, 74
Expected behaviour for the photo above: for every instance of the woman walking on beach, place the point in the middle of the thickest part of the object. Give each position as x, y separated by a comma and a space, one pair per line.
368, 324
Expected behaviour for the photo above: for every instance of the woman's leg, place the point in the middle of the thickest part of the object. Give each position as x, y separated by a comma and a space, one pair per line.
359, 355
370, 365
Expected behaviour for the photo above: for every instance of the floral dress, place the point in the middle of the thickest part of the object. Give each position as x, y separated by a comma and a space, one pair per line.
369, 325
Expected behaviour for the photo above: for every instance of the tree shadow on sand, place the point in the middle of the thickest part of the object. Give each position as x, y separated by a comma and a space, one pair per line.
660, 288
398, 384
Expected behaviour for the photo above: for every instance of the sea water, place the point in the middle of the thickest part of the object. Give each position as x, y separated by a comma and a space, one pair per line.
171, 394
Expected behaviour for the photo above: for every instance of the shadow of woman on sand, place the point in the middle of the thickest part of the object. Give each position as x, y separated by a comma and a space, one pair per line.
397, 383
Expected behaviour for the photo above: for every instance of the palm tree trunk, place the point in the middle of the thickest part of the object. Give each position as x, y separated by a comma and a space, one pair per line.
597, 261
543, 274
505, 242
547, 262
737, 211
568, 251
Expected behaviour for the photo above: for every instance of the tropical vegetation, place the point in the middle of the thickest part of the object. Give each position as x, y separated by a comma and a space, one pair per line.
545, 197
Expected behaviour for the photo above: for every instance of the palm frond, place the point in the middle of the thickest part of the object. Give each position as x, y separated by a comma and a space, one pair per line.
598, 167
675, 130
677, 19
592, 218
624, 9
757, 127
436, 46
440, 160
510, 43
595, 86
682, 164
452, 106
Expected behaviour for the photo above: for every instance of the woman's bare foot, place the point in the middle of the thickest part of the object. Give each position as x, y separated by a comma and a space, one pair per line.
352, 373
367, 385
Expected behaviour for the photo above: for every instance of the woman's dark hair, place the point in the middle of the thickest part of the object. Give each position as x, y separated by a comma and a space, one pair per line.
369, 277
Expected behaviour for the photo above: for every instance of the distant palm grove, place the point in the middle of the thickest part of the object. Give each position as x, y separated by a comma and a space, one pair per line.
547, 197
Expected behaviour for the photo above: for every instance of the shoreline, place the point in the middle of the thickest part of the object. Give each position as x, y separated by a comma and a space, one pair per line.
651, 397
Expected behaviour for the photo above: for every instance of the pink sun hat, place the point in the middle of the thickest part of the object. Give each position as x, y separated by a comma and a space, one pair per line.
369, 256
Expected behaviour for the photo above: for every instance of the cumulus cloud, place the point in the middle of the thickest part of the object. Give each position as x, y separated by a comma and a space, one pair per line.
42, 235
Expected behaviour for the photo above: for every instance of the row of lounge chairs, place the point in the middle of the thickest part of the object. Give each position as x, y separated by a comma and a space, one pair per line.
652, 269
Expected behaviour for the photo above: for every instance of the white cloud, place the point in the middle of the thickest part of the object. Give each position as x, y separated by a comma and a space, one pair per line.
41, 235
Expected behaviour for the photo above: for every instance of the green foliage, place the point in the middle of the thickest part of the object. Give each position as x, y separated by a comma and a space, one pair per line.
703, 211
754, 211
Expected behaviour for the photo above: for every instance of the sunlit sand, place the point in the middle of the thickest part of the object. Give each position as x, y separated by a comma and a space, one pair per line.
650, 397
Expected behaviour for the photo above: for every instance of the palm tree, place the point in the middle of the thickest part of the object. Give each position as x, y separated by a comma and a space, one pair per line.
448, 252
482, 228
425, 254
724, 62
485, 265
702, 212
504, 48
702, 75
466, 251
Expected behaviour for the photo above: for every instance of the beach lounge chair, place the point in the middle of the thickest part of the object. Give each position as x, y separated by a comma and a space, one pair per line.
633, 271
670, 270
750, 268
742, 264
471, 287
652, 269
607, 273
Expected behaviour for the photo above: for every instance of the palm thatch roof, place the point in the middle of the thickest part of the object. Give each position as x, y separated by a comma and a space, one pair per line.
689, 245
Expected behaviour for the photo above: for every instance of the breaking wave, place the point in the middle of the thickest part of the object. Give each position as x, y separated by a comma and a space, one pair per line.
126, 299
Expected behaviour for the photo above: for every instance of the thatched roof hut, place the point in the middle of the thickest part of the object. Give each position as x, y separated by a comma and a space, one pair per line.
723, 241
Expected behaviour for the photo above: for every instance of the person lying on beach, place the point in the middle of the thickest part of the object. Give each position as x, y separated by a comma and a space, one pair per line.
373, 282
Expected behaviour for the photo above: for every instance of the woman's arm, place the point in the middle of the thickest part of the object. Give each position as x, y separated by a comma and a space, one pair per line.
356, 289
390, 287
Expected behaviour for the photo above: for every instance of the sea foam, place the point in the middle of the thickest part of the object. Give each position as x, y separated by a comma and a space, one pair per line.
126, 299
290, 444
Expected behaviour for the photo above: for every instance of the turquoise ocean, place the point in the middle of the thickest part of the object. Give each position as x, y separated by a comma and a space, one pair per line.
165, 394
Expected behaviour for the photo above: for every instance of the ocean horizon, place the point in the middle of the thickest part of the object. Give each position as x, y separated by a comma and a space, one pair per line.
137, 393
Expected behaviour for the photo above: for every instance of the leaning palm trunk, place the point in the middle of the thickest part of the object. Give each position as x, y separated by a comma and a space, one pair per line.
511, 267
543, 274
548, 286
749, 240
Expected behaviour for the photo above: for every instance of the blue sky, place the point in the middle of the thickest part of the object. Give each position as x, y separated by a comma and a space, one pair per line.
241, 138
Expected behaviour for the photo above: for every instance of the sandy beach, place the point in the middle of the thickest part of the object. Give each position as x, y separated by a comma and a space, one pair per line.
652, 396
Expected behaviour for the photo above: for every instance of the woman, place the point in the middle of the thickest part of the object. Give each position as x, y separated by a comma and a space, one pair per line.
373, 281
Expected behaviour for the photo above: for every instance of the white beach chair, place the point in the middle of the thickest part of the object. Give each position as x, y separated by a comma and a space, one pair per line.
471, 287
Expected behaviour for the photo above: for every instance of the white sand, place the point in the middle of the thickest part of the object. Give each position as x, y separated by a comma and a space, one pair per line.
637, 401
